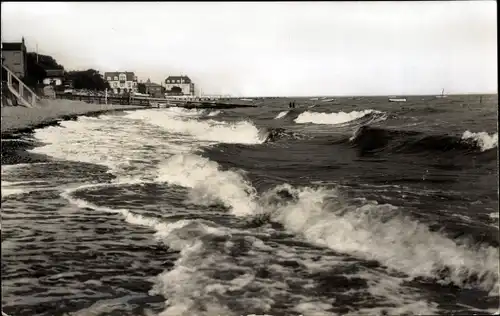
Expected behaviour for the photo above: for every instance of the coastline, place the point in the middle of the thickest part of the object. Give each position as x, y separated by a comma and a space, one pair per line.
21, 119
18, 121
50, 112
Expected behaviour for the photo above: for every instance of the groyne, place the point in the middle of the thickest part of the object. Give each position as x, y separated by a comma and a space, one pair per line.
157, 102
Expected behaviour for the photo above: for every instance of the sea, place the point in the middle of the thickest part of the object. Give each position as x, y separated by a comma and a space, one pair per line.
339, 206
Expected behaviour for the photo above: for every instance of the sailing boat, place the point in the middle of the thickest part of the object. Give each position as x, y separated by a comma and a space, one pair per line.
442, 95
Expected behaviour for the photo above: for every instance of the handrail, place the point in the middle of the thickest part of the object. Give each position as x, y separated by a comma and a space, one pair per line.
19, 92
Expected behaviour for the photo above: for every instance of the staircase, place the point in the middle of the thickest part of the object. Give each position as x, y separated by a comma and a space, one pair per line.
22, 92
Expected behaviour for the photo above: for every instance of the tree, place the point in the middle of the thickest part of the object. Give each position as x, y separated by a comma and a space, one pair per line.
141, 88
89, 79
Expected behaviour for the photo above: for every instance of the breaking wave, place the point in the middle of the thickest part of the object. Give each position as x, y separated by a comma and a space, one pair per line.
281, 114
323, 217
374, 139
484, 140
339, 117
179, 122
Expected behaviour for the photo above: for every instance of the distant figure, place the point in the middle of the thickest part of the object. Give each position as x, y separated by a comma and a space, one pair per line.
290, 105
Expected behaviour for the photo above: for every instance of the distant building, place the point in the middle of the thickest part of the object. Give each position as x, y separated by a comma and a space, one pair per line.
14, 57
121, 82
154, 89
182, 82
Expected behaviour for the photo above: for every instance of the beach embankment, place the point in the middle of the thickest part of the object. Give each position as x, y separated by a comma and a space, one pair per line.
18, 119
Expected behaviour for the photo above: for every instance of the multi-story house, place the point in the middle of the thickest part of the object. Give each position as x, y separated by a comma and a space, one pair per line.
183, 82
121, 81
14, 57
154, 89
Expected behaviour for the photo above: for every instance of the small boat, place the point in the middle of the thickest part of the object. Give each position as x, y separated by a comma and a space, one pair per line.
442, 95
397, 99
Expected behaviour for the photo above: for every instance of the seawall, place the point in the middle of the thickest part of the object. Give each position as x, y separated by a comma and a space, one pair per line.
19, 119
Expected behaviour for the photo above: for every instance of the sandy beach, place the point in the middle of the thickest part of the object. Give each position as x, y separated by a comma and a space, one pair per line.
49, 111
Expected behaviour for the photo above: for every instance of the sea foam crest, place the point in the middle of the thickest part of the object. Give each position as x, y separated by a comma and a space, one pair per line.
176, 121
370, 231
484, 140
331, 118
281, 114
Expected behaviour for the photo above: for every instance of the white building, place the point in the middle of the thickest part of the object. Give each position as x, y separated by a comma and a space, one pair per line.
121, 82
182, 82
14, 57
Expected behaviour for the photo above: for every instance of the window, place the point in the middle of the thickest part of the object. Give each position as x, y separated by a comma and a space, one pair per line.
178, 81
123, 77
115, 78
122, 84
115, 84
129, 84
109, 78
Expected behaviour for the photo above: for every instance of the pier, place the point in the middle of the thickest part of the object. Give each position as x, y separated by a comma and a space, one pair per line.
187, 102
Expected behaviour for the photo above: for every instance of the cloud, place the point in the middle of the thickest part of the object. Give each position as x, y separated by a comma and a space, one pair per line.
280, 48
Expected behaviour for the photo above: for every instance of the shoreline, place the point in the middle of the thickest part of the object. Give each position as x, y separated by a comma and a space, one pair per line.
14, 149
17, 120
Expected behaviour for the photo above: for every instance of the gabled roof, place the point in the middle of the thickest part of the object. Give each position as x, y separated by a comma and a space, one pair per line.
130, 75
13, 46
183, 79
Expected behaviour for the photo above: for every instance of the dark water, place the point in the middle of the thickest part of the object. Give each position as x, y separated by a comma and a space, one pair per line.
341, 206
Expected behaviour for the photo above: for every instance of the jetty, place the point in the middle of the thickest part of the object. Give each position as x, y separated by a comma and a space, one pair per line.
188, 102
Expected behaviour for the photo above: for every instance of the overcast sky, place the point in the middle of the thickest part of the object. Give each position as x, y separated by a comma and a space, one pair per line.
273, 49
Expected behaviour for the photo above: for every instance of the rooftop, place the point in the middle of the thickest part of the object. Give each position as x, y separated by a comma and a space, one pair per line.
13, 46
130, 75
172, 79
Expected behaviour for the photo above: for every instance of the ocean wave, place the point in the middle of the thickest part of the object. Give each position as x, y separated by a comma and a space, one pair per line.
374, 139
381, 232
215, 262
281, 114
321, 216
484, 140
275, 134
338, 117
243, 132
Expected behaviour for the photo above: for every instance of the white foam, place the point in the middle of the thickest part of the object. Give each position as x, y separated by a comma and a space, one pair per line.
8, 191
114, 142
214, 113
377, 232
209, 183
281, 114
331, 118
209, 130
484, 140
371, 231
